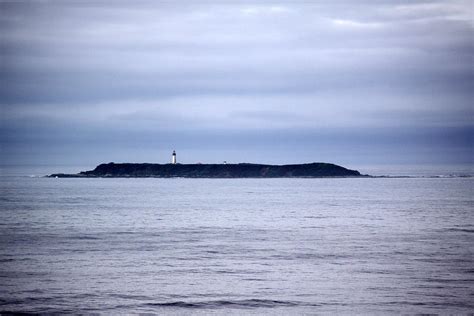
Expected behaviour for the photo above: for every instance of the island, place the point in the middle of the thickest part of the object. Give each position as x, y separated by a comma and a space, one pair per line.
239, 170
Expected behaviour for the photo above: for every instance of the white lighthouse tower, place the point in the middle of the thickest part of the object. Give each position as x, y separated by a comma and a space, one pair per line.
173, 158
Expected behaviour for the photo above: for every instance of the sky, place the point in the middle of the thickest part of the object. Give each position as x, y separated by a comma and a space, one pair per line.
347, 82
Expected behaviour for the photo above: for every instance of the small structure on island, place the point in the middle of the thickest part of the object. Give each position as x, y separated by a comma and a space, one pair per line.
173, 157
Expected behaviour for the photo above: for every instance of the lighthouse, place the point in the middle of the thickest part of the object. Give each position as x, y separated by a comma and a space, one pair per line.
173, 158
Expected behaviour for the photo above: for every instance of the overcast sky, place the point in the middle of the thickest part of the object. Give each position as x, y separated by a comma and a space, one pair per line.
349, 82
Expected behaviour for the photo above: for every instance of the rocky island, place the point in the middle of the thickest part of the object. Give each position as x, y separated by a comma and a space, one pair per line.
240, 170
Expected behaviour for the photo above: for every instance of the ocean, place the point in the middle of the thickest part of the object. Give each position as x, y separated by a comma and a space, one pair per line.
237, 246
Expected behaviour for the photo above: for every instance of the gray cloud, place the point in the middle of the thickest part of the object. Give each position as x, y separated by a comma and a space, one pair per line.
245, 70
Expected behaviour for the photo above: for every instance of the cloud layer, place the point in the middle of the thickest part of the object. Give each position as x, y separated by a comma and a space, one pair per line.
136, 80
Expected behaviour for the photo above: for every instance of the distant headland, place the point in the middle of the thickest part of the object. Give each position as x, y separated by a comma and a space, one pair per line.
240, 170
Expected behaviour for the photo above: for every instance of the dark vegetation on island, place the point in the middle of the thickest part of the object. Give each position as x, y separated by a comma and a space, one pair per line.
241, 170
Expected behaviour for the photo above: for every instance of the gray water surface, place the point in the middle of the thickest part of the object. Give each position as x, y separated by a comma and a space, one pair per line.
236, 246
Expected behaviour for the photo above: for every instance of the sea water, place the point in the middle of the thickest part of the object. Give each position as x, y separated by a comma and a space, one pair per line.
236, 246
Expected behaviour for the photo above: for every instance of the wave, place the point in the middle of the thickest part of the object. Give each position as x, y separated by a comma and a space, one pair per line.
249, 303
447, 176
461, 230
